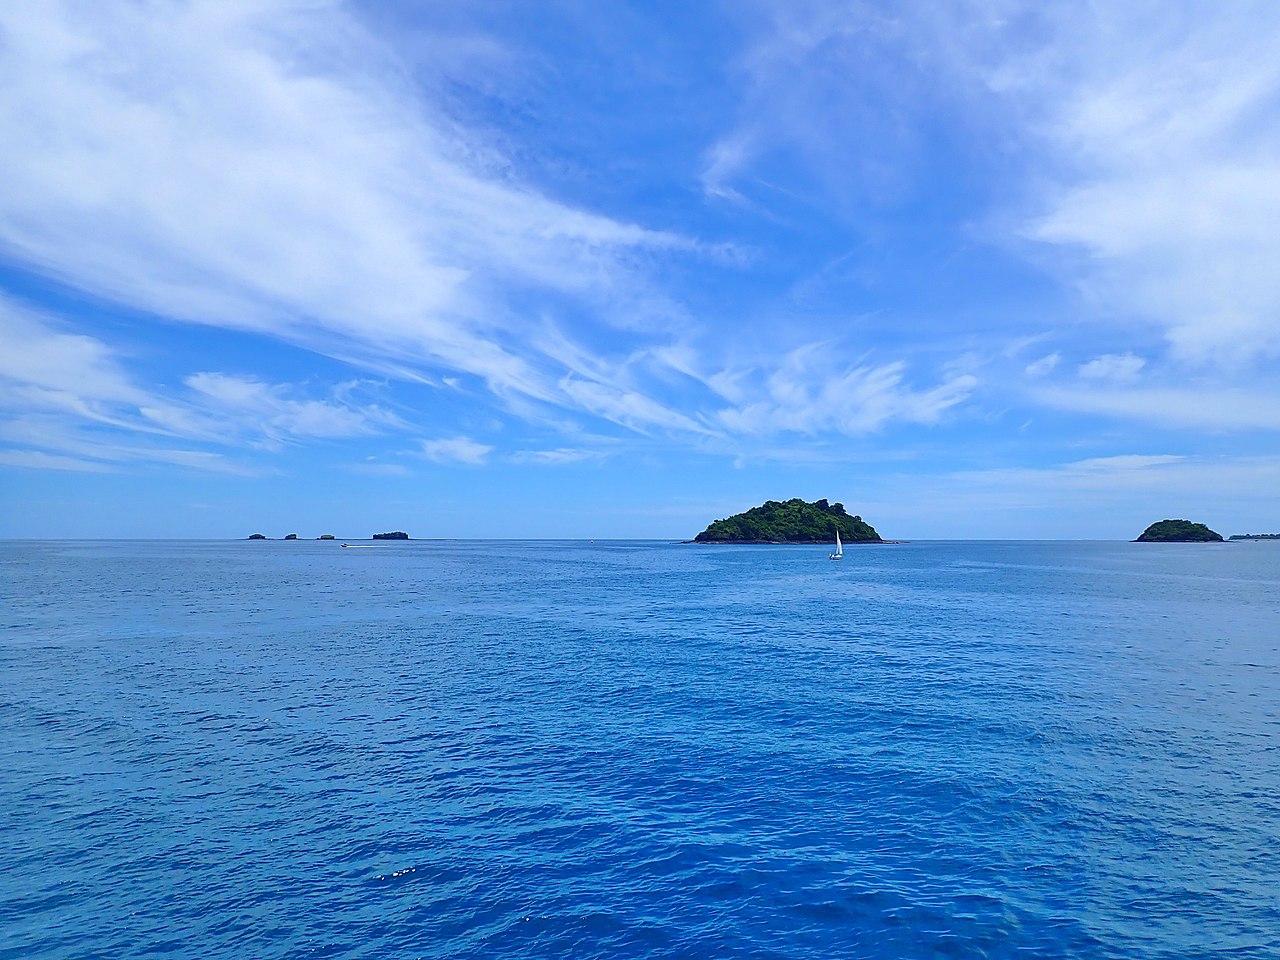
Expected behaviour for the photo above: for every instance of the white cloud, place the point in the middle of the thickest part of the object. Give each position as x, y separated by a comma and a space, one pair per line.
456, 450
87, 442
220, 164
271, 168
270, 409
628, 408
724, 160
54, 368
266, 167
54, 384
559, 455
39, 460
811, 391
1163, 140
1045, 365
1144, 142
1126, 461
1209, 408
1116, 367
69, 393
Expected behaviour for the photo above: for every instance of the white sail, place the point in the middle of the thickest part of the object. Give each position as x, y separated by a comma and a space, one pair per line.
839, 545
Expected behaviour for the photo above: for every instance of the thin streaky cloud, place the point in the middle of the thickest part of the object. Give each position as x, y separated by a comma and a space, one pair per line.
304, 249
459, 450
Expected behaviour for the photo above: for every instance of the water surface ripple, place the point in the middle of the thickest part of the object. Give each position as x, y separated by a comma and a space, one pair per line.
438, 749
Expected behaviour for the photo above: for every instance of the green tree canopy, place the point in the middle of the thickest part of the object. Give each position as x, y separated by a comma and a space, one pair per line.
790, 521
1178, 531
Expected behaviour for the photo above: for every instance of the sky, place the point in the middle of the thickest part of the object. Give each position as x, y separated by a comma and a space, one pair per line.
507, 269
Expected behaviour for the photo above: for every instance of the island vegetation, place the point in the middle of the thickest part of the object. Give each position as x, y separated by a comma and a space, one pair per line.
1255, 536
291, 536
790, 521
257, 536
326, 536
393, 535
1178, 531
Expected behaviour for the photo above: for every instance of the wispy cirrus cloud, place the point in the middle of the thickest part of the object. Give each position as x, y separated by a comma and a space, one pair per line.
1216, 409
278, 169
1044, 366
557, 456
1167, 155
463, 450
44, 367
72, 394
1144, 151
627, 407
68, 444
273, 411
40, 460
1114, 367
218, 164
1124, 461
812, 389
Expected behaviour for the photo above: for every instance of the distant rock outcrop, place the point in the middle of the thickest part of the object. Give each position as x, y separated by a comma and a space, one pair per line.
790, 521
291, 536
1178, 531
326, 536
257, 536
393, 535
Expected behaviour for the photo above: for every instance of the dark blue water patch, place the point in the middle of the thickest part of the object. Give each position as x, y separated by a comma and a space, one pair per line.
639, 749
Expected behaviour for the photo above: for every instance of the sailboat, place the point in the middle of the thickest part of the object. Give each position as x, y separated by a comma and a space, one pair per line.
839, 554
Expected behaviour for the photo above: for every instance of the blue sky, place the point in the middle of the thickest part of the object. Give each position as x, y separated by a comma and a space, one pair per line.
538, 269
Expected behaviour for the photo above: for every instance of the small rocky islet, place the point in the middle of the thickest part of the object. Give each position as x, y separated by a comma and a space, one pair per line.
1178, 531
799, 521
790, 521
393, 535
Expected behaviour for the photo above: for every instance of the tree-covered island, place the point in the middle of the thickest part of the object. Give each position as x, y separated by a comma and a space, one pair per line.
1178, 531
790, 521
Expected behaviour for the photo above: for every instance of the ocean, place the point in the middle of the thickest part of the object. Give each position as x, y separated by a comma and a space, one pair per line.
639, 749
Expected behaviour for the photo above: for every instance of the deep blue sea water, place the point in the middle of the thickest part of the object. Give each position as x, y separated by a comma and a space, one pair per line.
529, 750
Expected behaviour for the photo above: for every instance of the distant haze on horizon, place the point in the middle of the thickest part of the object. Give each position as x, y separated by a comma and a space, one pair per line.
542, 270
